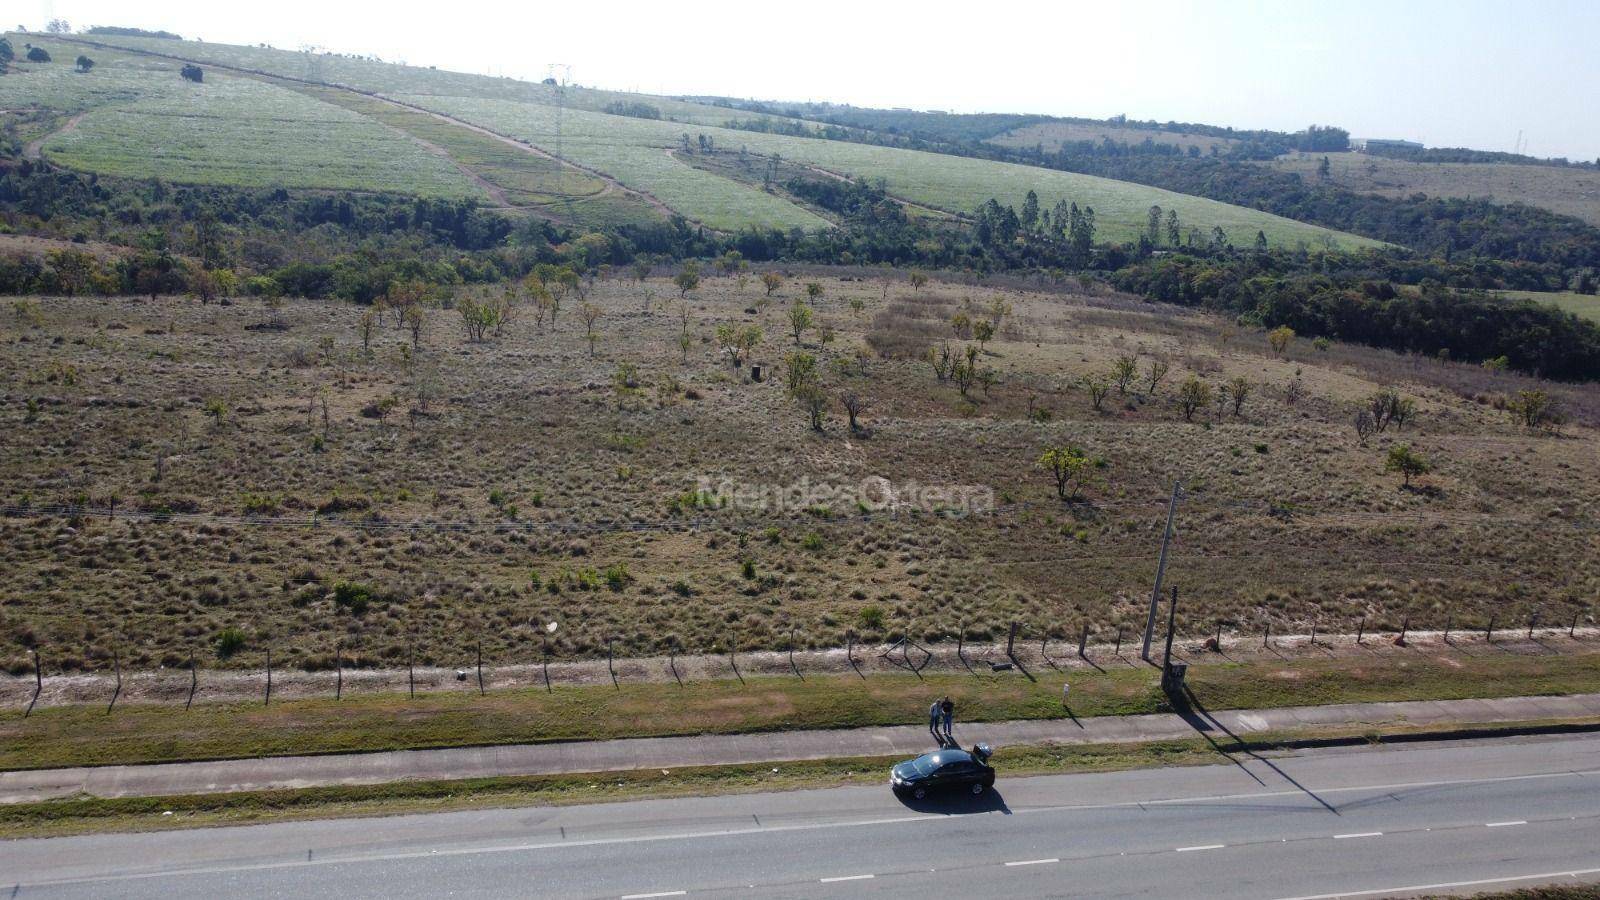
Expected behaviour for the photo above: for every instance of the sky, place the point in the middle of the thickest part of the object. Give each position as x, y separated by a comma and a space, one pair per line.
1472, 73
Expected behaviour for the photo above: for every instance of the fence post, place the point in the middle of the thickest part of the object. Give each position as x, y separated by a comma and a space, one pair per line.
268, 700
1083, 642
547, 666
733, 660
672, 661
1266, 635
1011, 639
411, 671
194, 682
38, 684
609, 666
1533, 620
1488, 632
1118, 650
480, 669
1405, 626
1361, 629
1448, 621
338, 667
1573, 631
791, 657
116, 660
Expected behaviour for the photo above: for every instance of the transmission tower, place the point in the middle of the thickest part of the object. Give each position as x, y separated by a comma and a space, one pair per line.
558, 75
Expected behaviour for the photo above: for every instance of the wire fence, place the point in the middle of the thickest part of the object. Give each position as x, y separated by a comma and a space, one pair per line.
1024, 651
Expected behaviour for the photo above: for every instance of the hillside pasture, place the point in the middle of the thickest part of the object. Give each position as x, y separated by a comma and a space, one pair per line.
635, 151
141, 120
1051, 135
392, 78
1585, 305
1570, 192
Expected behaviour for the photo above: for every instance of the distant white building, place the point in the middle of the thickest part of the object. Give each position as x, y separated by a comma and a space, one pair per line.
1365, 144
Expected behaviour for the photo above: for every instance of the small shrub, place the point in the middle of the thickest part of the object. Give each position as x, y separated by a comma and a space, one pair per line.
870, 617
617, 576
353, 597
229, 641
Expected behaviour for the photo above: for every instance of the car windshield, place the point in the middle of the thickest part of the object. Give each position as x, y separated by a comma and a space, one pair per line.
925, 765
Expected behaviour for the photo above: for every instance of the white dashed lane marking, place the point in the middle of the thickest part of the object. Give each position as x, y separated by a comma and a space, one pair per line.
1202, 847
1504, 824
845, 878
1359, 834
1035, 862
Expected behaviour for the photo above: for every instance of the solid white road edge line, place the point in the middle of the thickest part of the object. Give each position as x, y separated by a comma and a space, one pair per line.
1412, 888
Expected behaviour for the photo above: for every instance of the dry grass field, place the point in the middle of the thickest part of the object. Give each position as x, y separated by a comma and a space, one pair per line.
1570, 192
462, 492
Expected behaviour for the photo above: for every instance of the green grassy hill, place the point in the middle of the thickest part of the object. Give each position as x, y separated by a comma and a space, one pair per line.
1051, 135
260, 123
1585, 305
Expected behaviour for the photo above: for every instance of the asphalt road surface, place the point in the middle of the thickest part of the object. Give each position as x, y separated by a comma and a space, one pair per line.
1355, 822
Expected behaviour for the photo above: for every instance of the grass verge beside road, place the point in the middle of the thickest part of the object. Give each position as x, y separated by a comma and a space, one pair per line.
55, 818
145, 733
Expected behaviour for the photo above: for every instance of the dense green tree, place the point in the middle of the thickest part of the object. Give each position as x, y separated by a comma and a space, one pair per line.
1407, 462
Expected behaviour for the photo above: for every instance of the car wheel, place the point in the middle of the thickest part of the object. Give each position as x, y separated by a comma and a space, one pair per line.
977, 788
920, 793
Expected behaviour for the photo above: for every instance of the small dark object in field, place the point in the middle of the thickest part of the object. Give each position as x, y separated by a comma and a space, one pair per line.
1000, 667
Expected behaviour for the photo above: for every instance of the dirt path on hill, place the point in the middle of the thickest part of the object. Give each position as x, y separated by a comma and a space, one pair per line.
35, 148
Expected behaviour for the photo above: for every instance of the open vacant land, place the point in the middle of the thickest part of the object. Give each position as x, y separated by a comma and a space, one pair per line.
1570, 192
446, 492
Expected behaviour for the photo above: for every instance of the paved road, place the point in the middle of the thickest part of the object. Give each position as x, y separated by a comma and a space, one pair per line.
677, 752
1342, 822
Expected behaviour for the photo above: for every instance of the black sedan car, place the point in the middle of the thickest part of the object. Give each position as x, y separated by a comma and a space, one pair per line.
948, 769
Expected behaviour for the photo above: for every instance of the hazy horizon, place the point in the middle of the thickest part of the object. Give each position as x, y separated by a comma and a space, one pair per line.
1470, 74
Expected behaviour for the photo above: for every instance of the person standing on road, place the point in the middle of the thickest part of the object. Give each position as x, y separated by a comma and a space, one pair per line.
947, 712
934, 712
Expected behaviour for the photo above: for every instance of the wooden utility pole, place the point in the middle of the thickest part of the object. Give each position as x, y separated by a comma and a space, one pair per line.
1161, 571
